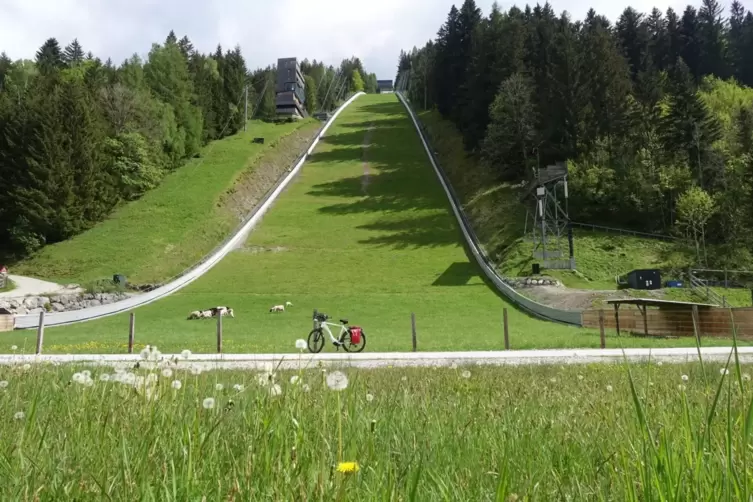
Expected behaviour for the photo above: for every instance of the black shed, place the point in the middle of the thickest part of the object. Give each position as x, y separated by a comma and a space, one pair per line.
644, 279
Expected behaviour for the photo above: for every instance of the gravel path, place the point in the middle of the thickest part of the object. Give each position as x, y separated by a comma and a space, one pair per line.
26, 286
398, 359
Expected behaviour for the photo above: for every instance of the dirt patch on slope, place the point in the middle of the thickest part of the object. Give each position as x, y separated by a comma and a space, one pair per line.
256, 181
562, 297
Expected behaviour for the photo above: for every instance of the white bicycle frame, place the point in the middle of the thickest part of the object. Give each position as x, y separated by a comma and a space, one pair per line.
325, 326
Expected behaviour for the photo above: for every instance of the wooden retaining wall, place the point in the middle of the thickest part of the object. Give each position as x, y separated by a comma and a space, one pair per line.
677, 322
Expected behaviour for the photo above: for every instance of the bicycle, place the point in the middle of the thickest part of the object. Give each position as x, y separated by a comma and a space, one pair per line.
355, 342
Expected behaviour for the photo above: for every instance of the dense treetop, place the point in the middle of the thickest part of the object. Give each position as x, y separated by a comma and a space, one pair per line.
654, 113
78, 136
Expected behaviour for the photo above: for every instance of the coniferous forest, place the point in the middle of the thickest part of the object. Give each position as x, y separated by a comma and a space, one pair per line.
653, 112
79, 136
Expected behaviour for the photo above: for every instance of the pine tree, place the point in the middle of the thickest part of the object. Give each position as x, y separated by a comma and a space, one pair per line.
49, 57
634, 40
5, 66
659, 40
186, 47
674, 38
608, 84
234, 82
171, 38
356, 82
512, 129
711, 32
446, 70
73, 54
310, 87
689, 129
691, 42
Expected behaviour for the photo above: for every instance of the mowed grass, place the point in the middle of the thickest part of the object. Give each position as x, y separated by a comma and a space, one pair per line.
372, 249
670, 432
170, 228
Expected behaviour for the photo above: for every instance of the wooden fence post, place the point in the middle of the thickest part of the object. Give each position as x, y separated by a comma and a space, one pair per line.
602, 337
131, 332
40, 332
219, 332
507, 333
696, 328
413, 329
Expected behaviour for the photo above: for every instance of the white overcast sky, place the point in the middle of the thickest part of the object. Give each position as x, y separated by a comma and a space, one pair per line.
326, 30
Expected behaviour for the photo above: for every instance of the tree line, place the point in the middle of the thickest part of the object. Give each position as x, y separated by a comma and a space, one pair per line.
653, 113
79, 136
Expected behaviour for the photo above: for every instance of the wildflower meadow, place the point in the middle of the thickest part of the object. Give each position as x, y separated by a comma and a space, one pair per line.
170, 431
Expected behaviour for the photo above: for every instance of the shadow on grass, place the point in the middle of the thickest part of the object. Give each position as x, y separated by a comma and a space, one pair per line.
433, 230
458, 274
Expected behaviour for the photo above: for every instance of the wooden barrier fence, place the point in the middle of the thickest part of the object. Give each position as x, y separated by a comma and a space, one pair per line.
715, 322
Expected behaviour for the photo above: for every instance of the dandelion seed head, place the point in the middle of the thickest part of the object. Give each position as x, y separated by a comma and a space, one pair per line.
369, 398
453, 366
295, 379
300, 344
466, 374
185, 354
19, 415
305, 387
580, 377
196, 370
337, 380
27, 367
87, 373
238, 387
265, 378
14, 348
659, 363
684, 378
176, 384
746, 377
723, 371
609, 388
167, 372
208, 403
104, 377
275, 390
144, 354
219, 387
3, 384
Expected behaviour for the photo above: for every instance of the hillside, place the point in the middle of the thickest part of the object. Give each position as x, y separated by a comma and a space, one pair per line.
174, 225
364, 232
498, 217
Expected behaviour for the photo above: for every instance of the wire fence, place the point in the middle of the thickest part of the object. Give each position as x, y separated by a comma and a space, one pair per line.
623, 231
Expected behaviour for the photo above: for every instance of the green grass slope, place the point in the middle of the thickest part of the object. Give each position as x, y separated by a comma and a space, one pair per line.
171, 227
363, 233
499, 219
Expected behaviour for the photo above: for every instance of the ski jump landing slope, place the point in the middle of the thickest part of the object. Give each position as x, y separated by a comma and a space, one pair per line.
88, 314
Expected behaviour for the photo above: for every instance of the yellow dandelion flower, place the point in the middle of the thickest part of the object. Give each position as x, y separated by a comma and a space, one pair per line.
347, 467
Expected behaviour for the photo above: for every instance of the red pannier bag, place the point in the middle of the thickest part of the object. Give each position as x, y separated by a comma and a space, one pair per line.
355, 335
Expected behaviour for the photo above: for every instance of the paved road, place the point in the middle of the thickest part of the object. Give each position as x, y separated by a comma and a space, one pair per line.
402, 359
29, 286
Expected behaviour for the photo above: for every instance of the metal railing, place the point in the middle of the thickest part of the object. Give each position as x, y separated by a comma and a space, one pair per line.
571, 317
700, 288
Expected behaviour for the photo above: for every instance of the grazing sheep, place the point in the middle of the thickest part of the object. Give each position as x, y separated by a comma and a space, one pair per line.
227, 311
194, 315
288, 304
277, 308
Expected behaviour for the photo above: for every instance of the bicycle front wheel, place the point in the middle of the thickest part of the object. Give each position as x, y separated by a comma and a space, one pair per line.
354, 347
316, 340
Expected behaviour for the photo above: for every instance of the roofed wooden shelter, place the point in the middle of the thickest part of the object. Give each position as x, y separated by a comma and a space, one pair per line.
674, 317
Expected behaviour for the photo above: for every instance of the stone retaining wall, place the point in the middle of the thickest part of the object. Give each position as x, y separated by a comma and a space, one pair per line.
60, 303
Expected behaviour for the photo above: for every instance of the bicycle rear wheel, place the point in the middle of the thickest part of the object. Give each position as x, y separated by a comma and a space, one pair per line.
316, 340
353, 347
